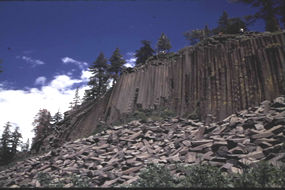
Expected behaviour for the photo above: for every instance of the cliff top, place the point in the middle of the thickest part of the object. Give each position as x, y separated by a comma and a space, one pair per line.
211, 41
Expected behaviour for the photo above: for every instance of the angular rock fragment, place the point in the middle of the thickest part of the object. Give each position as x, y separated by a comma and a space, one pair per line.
263, 134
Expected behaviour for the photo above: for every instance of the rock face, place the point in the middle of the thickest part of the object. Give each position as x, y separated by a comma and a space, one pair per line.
220, 76
215, 78
115, 156
76, 124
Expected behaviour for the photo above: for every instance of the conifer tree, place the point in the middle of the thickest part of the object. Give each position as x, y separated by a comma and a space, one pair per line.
268, 12
56, 118
163, 44
16, 136
206, 31
76, 99
235, 24
42, 126
281, 11
99, 79
228, 25
6, 145
117, 63
144, 52
194, 36
223, 22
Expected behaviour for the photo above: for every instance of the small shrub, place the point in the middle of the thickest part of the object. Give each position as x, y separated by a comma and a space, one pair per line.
155, 118
79, 181
280, 179
262, 175
44, 179
203, 176
155, 176
140, 116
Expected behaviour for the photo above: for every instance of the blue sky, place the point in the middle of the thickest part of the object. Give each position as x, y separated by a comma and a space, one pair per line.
50, 44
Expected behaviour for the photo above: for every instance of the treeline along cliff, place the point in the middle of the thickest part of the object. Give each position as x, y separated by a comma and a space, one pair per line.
219, 76
215, 78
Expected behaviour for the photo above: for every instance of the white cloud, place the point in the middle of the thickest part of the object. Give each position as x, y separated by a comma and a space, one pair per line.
131, 54
131, 60
40, 80
62, 82
80, 64
85, 75
32, 61
20, 106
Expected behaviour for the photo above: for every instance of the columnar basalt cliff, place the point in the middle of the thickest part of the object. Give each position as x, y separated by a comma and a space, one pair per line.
219, 76
215, 78
116, 156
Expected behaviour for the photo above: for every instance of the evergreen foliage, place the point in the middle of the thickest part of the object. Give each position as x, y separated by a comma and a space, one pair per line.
10, 141
6, 145
268, 12
76, 100
194, 36
99, 79
144, 52
203, 176
155, 176
228, 25
163, 44
56, 118
15, 138
260, 175
281, 11
42, 126
207, 31
117, 63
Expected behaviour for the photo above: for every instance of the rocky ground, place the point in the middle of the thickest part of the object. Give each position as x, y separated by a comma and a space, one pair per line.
116, 156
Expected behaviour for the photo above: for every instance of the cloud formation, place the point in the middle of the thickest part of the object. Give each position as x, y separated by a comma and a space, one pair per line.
20, 106
80, 64
40, 80
33, 62
131, 59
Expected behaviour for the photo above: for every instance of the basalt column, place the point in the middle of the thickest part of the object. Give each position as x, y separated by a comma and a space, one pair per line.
215, 78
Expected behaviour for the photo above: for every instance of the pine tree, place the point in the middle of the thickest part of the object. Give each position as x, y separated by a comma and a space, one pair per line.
144, 52
228, 25
206, 31
281, 11
76, 100
235, 24
6, 145
9, 143
99, 79
16, 136
268, 12
194, 36
42, 127
117, 63
163, 44
223, 22
56, 118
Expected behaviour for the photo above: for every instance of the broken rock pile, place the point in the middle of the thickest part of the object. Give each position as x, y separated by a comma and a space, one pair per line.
116, 156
